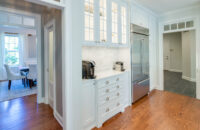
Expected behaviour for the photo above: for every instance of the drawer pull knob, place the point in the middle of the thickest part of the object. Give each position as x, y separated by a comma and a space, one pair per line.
118, 104
107, 99
107, 90
117, 79
118, 86
107, 82
107, 110
118, 94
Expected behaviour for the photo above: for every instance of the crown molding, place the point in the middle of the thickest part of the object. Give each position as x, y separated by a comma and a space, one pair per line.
180, 10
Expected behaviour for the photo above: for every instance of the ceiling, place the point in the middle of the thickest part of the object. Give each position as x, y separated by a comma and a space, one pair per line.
163, 6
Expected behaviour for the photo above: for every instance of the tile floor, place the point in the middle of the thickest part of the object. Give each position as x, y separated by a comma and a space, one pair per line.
173, 82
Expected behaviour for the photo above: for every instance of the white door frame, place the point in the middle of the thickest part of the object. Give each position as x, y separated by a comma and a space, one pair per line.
46, 28
161, 60
37, 27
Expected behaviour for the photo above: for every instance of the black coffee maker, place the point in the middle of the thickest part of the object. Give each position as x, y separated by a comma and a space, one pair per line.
88, 69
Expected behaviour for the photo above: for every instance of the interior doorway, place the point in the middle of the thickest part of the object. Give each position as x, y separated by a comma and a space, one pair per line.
179, 61
50, 63
20, 45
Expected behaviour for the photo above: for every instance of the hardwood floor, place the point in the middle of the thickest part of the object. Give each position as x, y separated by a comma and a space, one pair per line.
25, 114
158, 111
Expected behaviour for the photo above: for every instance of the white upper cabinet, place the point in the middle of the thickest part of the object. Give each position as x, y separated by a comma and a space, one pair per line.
139, 17
105, 23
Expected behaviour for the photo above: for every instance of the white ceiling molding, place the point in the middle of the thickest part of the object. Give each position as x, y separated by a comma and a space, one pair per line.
163, 6
181, 10
49, 3
144, 8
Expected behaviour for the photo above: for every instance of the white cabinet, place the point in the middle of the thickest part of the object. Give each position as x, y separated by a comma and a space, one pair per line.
105, 23
139, 17
110, 95
88, 105
103, 98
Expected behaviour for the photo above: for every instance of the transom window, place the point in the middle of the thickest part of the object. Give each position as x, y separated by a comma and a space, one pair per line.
103, 19
11, 55
123, 24
89, 20
114, 22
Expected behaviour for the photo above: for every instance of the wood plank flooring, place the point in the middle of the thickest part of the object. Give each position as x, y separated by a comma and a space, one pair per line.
158, 111
25, 114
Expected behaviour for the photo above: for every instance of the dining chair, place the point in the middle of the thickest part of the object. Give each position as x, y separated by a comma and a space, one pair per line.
32, 75
12, 76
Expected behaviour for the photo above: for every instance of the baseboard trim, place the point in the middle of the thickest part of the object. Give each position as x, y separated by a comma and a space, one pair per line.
174, 70
58, 118
188, 78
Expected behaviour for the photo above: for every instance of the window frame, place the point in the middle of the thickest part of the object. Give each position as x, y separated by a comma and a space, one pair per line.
17, 50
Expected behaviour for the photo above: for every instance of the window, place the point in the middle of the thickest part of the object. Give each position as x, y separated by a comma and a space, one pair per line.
103, 19
89, 20
11, 55
114, 22
124, 24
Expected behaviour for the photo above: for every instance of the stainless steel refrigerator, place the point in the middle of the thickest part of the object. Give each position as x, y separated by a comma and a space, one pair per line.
139, 62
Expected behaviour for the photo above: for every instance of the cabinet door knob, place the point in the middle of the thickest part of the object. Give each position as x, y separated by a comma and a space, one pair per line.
107, 99
118, 94
107, 82
107, 110
117, 79
117, 86
118, 104
107, 90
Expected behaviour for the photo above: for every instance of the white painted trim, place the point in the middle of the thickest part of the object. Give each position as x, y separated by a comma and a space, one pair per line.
49, 3
188, 78
175, 70
161, 60
180, 10
144, 8
58, 118
72, 17
46, 28
39, 55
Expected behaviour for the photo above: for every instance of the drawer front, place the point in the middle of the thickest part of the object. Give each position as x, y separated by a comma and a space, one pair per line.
107, 111
109, 81
110, 89
110, 98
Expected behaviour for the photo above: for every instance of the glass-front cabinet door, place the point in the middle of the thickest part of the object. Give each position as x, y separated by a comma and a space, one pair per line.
105, 22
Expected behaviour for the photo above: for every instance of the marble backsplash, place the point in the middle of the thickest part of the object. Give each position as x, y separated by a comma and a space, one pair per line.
105, 57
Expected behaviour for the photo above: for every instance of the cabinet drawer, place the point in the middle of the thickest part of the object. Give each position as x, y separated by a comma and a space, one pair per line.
108, 111
109, 81
109, 89
110, 98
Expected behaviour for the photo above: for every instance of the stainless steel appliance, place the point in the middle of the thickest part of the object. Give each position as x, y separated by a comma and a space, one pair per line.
139, 62
88, 70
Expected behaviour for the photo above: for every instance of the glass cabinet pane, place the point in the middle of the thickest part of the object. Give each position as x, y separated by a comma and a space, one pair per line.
89, 20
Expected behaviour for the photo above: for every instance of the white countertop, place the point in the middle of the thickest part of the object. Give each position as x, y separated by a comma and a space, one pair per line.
106, 74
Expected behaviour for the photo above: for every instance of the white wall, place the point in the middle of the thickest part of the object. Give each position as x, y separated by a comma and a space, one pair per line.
174, 16
189, 55
175, 50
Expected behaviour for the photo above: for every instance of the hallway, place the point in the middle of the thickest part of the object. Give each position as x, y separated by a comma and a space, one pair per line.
173, 82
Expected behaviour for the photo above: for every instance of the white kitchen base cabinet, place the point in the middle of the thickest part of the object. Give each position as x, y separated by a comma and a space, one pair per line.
88, 108
106, 98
